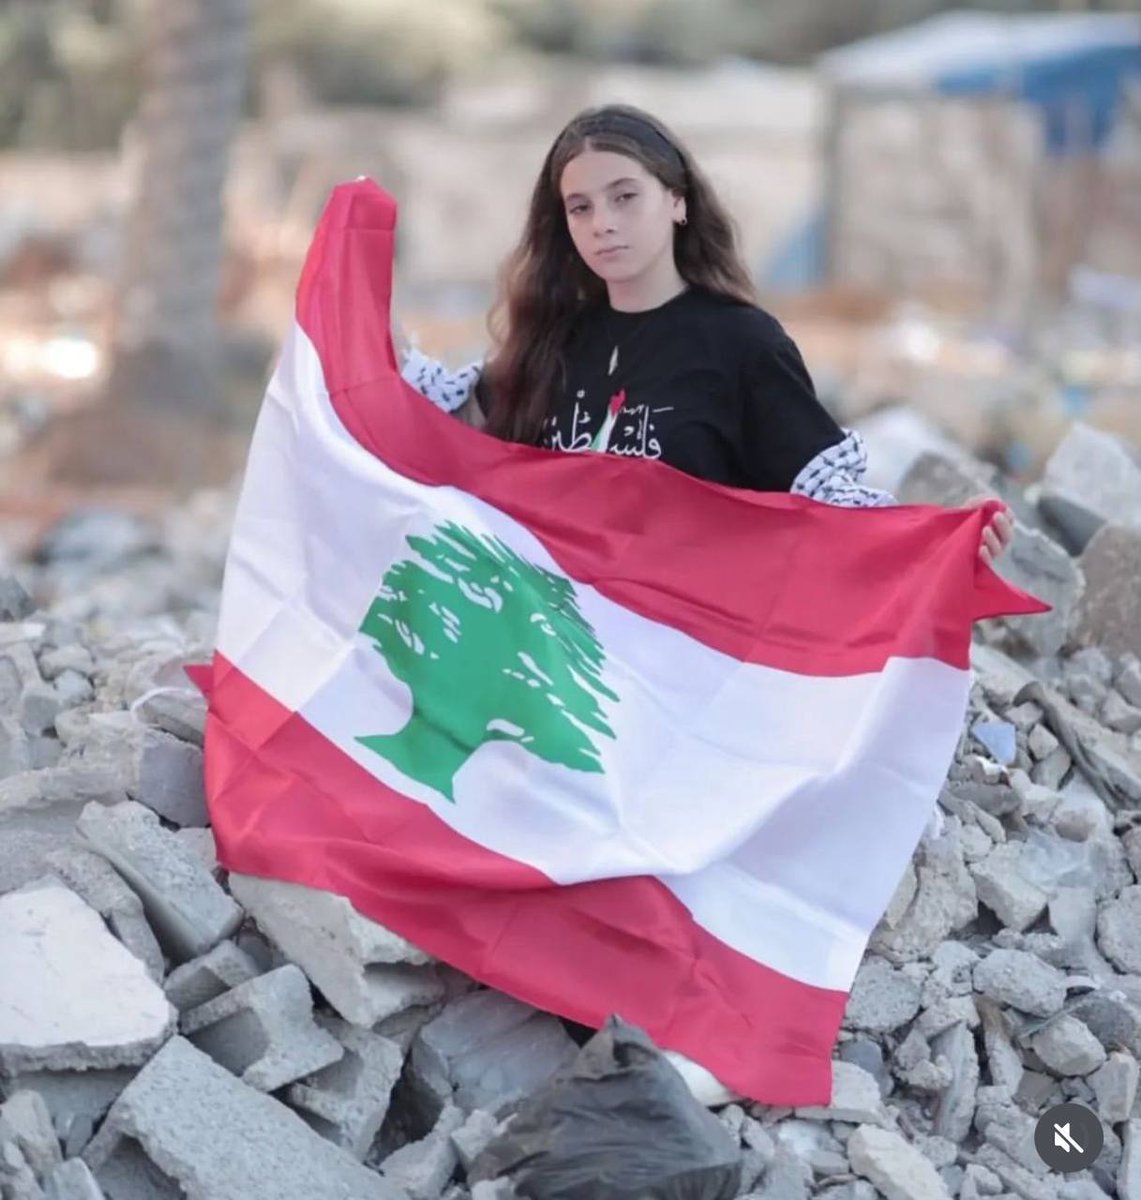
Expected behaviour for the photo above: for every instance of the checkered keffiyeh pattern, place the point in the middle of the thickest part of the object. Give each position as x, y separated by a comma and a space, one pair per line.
832, 477
446, 389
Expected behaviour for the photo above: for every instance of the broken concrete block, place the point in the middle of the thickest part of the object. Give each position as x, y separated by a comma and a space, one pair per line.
473, 1137
898, 1169
201, 842
77, 1100
15, 751
1091, 478
855, 1098
1021, 980
72, 1180
72, 657
204, 978
17, 1180
423, 1169
490, 1051
1109, 614
955, 1108
94, 880
15, 603
1037, 564
1003, 888
178, 711
1112, 1018
882, 998
348, 1101
156, 768
1129, 1173
1115, 1086
187, 909
1128, 680
264, 1031
1117, 714
1119, 930
58, 963
40, 705
365, 971
1067, 1047
187, 1123
26, 1117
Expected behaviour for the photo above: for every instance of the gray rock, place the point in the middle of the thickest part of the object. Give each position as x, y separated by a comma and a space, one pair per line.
1117, 714
187, 910
72, 1180
955, 1108
59, 966
1091, 478
1129, 1173
366, 972
1067, 1047
1003, 888
855, 1098
474, 1136
26, 1117
77, 1100
204, 978
263, 1030
348, 1101
1019, 979
179, 711
423, 1169
1115, 1086
882, 998
489, 1051
1119, 930
187, 1123
15, 603
93, 879
1112, 1018
896, 1168
1109, 614
1128, 682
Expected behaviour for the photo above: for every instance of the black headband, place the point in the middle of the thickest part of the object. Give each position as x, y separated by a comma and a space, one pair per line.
638, 130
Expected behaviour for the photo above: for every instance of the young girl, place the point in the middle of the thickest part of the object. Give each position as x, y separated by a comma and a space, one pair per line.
627, 324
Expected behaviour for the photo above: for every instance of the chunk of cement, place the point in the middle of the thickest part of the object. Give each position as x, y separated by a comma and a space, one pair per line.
202, 979
896, 1168
264, 1031
882, 998
1068, 1047
1109, 614
187, 1127
365, 971
27, 1117
348, 1101
58, 967
1119, 931
855, 1098
72, 1180
188, 911
77, 1100
93, 879
1091, 478
1021, 980
423, 1168
489, 1050
1115, 1086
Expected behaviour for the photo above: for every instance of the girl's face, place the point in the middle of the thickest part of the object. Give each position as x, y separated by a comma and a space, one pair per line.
620, 217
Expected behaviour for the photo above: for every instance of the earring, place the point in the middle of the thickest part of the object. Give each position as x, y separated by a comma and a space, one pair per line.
684, 221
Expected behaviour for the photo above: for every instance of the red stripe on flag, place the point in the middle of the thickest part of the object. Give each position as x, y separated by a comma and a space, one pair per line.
287, 804
767, 578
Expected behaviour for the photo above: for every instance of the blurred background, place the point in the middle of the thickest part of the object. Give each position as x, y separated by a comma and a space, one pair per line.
943, 206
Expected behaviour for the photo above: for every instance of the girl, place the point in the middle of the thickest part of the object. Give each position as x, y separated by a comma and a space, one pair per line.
627, 324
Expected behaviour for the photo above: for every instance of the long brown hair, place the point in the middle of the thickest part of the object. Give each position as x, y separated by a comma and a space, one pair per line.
544, 285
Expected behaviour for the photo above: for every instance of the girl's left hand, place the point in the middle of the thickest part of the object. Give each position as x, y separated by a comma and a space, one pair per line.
997, 533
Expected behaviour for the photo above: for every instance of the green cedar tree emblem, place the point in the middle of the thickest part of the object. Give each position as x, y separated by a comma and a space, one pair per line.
493, 648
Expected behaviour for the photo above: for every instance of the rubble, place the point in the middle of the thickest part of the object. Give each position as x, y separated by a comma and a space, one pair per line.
1004, 977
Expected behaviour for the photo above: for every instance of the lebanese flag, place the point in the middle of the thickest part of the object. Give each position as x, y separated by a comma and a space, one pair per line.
601, 735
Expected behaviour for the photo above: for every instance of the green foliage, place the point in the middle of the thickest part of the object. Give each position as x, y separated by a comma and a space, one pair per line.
493, 648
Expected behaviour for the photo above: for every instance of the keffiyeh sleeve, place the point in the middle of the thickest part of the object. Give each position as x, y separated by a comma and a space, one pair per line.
446, 389
833, 476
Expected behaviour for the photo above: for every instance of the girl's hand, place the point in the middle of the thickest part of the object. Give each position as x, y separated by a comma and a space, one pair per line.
997, 533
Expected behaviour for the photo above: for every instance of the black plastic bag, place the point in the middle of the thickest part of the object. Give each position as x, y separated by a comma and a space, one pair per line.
619, 1125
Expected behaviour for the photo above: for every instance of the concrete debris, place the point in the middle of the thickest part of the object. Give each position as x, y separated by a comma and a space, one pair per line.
263, 1030
58, 967
188, 911
187, 1123
348, 1101
1004, 977
365, 971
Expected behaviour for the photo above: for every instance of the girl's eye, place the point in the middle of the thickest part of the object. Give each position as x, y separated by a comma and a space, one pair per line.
627, 195
577, 209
